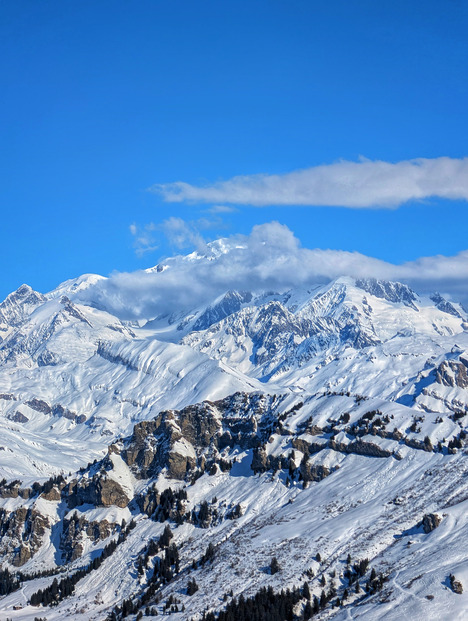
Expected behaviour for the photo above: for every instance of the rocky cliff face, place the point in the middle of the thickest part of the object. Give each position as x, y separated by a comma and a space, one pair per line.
230, 303
77, 531
18, 306
194, 437
391, 291
22, 533
278, 338
453, 373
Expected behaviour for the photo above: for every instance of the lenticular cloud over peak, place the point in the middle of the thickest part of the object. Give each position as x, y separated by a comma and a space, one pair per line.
362, 184
269, 258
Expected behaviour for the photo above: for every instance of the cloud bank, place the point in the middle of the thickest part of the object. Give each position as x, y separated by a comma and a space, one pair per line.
271, 258
362, 184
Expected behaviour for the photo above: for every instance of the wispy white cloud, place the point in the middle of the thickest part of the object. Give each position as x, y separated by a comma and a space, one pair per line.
181, 234
143, 238
218, 209
270, 258
361, 184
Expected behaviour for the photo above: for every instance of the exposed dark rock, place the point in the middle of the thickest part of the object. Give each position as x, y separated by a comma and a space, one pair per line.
311, 472
229, 304
11, 490
456, 585
22, 556
391, 291
53, 495
443, 305
39, 406
301, 445
73, 311
59, 410
47, 358
360, 447
415, 443
25, 529
19, 417
452, 373
7, 396
259, 460
101, 491
430, 522
77, 528
181, 441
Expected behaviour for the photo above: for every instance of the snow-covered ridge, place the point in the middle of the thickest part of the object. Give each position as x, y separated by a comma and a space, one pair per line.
330, 418
373, 338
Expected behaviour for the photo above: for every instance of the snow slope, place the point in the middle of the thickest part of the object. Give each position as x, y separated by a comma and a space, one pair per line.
348, 427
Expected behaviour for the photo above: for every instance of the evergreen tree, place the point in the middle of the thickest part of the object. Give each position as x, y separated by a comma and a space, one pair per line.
308, 611
165, 538
274, 566
192, 587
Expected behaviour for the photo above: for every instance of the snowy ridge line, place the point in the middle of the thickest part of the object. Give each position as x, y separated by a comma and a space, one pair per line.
330, 419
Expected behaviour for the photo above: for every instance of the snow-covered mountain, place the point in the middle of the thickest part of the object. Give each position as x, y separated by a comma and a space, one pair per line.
320, 426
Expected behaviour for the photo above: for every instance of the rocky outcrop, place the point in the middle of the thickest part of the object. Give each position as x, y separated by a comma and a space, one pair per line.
72, 310
19, 417
160, 444
56, 410
7, 396
47, 359
59, 410
455, 585
187, 440
76, 529
40, 406
443, 305
430, 522
452, 373
369, 449
53, 494
21, 534
358, 447
415, 443
311, 472
110, 492
100, 491
387, 290
259, 461
231, 302
9, 490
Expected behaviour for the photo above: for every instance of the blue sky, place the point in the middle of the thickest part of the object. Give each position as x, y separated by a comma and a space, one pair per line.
103, 100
